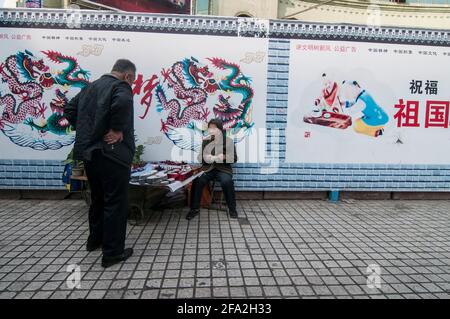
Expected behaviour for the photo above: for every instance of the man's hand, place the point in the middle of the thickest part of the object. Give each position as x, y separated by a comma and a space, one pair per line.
113, 137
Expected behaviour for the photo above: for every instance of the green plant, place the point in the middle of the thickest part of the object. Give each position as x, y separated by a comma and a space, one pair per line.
69, 159
72, 162
137, 160
138, 154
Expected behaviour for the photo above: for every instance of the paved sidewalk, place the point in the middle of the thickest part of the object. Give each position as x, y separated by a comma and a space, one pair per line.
277, 249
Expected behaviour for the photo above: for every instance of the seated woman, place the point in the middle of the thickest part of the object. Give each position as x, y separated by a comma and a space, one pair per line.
218, 153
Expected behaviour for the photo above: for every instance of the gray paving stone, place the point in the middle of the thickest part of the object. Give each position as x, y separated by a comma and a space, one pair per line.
96, 294
431, 287
119, 284
237, 292
185, 293
313, 280
354, 290
321, 290
254, 292
114, 294
305, 291
167, 293
283, 281
236, 281
150, 294
40, 295
24, 295
338, 290
288, 291
186, 282
132, 294
205, 282
203, 293
251, 281
220, 292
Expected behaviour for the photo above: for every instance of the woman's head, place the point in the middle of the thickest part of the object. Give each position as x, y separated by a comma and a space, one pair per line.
215, 124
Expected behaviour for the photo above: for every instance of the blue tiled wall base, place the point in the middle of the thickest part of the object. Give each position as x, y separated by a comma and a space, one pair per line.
31, 174
352, 177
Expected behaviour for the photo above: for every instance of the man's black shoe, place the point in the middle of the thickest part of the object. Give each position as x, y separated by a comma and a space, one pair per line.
110, 261
93, 245
192, 214
233, 214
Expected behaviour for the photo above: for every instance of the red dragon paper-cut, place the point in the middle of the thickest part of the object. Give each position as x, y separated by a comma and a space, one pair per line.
29, 86
196, 89
193, 99
29, 92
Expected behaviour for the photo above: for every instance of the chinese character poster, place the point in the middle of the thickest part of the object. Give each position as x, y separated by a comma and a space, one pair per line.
354, 102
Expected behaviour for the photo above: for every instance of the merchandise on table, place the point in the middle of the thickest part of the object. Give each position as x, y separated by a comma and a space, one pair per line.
154, 179
162, 173
142, 173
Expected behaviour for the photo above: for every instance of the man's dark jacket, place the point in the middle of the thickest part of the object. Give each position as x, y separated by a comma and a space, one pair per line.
105, 104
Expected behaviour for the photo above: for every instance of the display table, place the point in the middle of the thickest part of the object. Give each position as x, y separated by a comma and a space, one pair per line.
145, 190
141, 194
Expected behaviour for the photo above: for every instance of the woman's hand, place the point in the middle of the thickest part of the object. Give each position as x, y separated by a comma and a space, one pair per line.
209, 158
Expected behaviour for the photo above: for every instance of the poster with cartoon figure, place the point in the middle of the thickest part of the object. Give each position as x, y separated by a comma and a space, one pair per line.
354, 102
182, 82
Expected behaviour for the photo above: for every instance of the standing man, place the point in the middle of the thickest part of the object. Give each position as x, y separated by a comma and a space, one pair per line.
102, 115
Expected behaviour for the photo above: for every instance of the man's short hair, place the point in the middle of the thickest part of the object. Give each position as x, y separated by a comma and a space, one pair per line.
124, 66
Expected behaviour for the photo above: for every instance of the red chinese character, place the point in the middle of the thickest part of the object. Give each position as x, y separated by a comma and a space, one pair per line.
148, 87
307, 134
407, 115
437, 114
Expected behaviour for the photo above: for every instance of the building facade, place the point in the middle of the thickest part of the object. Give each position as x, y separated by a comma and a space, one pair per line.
400, 13
430, 14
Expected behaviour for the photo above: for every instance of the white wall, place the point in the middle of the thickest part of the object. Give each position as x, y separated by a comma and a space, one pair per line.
7, 3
